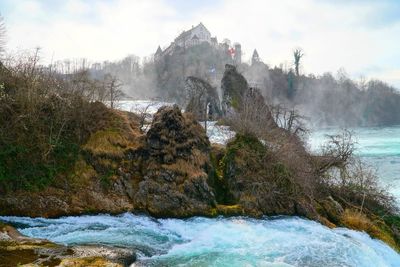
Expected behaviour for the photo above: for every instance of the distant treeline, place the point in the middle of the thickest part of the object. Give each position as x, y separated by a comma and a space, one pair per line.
325, 100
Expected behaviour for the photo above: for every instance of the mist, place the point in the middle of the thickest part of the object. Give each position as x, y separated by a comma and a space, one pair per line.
323, 100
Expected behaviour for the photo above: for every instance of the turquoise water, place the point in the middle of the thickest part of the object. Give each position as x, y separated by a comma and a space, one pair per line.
377, 146
239, 241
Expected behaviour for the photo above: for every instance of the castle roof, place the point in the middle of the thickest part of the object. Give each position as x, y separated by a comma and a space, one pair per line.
183, 34
187, 33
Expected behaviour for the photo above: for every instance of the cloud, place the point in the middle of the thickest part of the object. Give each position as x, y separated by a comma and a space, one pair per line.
101, 31
356, 35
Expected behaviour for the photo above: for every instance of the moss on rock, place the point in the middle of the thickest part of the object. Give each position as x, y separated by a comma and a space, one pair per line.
359, 221
176, 167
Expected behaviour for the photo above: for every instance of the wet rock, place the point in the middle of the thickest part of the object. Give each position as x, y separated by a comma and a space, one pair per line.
16, 249
176, 168
117, 255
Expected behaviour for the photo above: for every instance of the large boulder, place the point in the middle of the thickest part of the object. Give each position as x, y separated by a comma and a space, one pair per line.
176, 171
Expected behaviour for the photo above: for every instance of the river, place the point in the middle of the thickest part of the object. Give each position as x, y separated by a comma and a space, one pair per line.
238, 241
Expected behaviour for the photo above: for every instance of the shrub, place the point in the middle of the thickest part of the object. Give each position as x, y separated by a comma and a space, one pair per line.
347, 178
44, 119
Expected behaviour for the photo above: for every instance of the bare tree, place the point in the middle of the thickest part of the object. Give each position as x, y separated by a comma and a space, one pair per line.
349, 179
338, 152
340, 146
145, 116
84, 86
289, 119
297, 54
253, 116
48, 116
113, 89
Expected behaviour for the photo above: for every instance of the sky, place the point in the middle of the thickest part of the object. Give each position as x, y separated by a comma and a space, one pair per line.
360, 36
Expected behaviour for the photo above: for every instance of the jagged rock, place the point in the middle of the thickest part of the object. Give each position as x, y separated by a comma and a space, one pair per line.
234, 86
174, 136
177, 166
202, 98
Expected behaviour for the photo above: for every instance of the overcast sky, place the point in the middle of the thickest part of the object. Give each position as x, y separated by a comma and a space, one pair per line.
361, 36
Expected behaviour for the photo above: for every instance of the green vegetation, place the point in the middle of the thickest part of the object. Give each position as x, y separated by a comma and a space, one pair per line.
21, 169
245, 144
234, 87
45, 117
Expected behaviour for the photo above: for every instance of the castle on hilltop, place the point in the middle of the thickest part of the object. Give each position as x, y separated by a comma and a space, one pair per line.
194, 36
198, 35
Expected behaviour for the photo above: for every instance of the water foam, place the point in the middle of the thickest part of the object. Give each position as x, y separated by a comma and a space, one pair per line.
237, 241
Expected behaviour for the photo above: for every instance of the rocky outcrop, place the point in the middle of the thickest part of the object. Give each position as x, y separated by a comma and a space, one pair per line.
259, 183
102, 179
164, 172
234, 86
202, 98
19, 250
55, 202
177, 166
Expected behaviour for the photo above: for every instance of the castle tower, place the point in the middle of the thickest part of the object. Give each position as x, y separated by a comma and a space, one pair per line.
255, 58
238, 54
